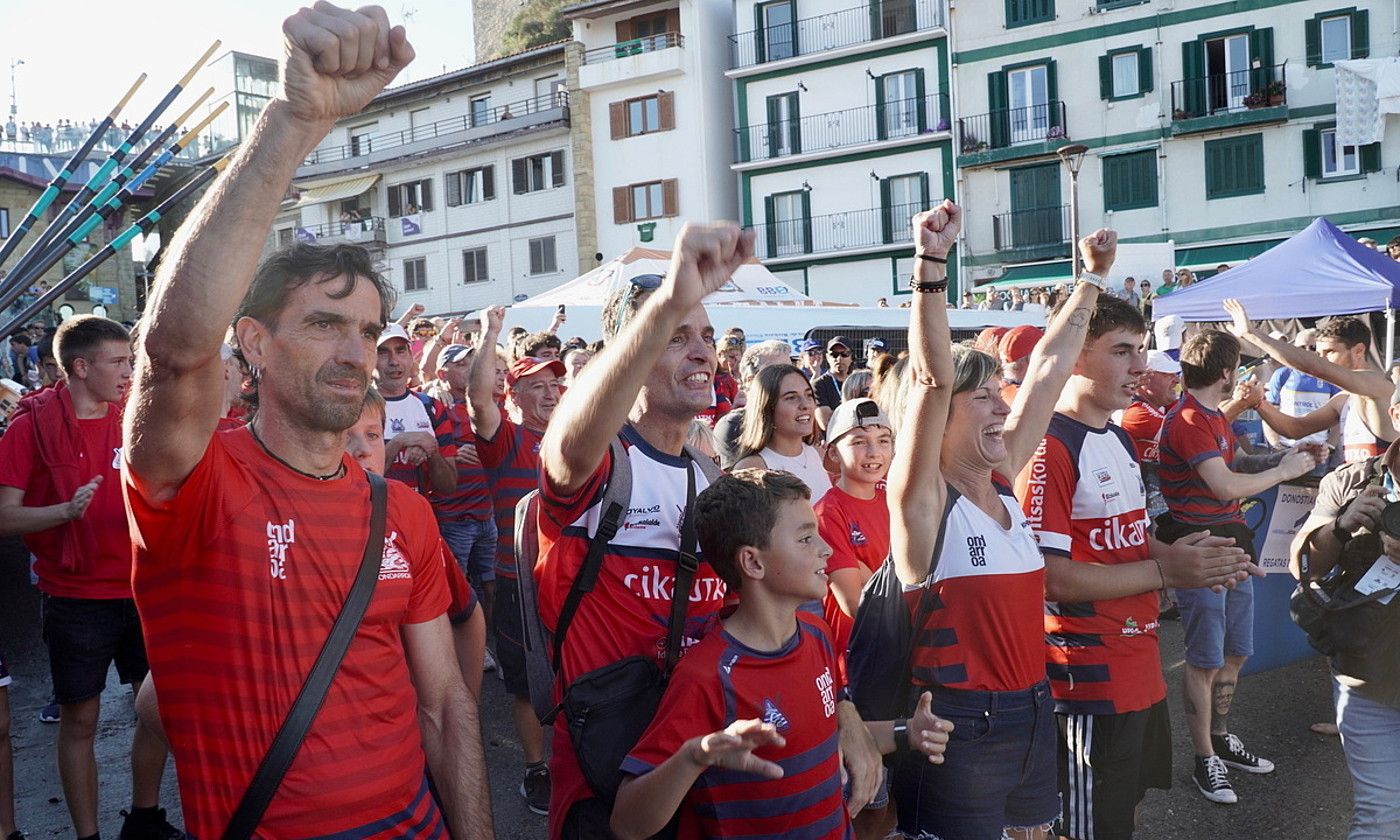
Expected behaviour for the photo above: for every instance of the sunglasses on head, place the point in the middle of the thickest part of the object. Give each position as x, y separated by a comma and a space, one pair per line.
644, 282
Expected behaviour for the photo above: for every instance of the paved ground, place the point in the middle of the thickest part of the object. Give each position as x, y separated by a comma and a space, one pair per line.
1307, 797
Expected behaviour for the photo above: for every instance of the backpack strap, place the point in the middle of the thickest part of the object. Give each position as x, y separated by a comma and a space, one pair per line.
617, 493
686, 566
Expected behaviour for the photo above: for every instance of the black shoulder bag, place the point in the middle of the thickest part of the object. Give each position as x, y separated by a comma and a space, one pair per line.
608, 708
294, 727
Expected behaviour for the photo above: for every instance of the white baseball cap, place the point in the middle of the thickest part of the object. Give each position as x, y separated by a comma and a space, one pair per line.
392, 331
1159, 361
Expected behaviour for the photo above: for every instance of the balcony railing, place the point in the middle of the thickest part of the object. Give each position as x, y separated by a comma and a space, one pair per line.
878, 19
636, 46
835, 232
1012, 126
1030, 234
499, 114
368, 232
838, 129
1222, 93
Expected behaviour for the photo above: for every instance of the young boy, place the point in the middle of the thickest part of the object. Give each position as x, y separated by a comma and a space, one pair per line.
745, 739
853, 517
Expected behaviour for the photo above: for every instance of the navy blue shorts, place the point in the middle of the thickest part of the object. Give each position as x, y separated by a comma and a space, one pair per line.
510, 649
998, 771
87, 636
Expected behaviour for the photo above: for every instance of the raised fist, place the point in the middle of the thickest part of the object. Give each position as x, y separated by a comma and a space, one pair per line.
338, 60
1099, 249
936, 230
705, 258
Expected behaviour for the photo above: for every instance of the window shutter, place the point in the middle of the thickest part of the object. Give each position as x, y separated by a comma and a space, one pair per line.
425, 190
622, 205
1105, 77
1312, 38
488, 182
770, 229
885, 211
1360, 34
1370, 155
624, 30
1312, 153
794, 125
670, 202
1145, 73
879, 105
519, 176
1193, 100
806, 221
923, 192
666, 110
1261, 47
1052, 96
454, 188
617, 120
394, 206
919, 100
556, 165
673, 20
998, 121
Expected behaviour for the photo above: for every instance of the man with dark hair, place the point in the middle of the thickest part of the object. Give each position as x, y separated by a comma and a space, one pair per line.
1204, 475
1393, 248
60, 488
809, 358
643, 392
840, 358
1343, 358
541, 345
1084, 497
248, 540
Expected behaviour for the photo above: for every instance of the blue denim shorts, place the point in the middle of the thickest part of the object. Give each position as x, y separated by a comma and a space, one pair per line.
998, 772
1217, 624
473, 544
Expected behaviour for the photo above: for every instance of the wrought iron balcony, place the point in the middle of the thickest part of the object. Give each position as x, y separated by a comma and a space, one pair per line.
835, 232
838, 129
483, 122
876, 20
636, 46
1255, 89
368, 232
1011, 127
1037, 233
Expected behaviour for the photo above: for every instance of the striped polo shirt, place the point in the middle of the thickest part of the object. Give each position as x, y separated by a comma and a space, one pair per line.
511, 460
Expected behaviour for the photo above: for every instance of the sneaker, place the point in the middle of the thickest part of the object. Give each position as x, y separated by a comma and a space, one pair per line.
1231, 751
49, 714
488, 664
535, 789
150, 825
18, 835
1212, 778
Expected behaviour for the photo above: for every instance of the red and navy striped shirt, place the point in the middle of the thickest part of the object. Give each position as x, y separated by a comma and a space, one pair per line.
471, 499
511, 460
1191, 435
795, 689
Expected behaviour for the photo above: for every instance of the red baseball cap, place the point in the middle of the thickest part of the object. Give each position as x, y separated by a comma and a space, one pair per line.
531, 365
1019, 342
987, 340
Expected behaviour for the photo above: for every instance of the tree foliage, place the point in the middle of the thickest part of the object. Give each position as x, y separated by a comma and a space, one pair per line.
537, 22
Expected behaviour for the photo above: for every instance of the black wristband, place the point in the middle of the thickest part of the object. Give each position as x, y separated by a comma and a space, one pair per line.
901, 735
1340, 534
931, 258
936, 287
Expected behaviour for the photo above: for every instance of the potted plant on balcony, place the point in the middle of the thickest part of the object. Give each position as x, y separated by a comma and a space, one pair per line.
1056, 132
971, 144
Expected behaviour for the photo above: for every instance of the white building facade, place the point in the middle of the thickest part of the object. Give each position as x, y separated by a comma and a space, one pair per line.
1209, 124
843, 133
462, 184
656, 145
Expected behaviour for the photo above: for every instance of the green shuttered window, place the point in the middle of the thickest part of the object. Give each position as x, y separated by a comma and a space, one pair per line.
1336, 36
1023, 12
1235, 166
1130, 180
1125, 74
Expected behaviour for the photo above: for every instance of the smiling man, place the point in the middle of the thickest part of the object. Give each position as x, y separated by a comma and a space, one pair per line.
247, 541
420, 449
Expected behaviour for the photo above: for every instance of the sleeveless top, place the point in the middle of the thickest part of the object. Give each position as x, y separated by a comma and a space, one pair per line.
807, 466
1358, 442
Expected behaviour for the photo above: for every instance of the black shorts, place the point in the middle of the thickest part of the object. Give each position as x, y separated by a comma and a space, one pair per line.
1126, 755
510, 649
85, 636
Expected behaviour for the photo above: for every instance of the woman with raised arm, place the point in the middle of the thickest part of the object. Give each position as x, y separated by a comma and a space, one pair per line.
959, 536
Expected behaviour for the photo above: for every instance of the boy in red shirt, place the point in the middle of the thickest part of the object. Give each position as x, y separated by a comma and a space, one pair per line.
745, 741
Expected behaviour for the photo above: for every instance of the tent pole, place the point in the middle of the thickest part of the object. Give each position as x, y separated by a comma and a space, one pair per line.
1389, 337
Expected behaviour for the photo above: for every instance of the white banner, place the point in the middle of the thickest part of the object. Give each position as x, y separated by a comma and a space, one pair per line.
1291, 508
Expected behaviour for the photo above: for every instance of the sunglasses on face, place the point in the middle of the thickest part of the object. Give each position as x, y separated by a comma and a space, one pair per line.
839, 354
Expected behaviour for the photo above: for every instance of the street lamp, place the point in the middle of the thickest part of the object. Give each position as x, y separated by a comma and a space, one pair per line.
1073, 157
14, 109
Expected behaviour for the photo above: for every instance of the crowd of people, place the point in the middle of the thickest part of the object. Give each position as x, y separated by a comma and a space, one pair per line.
722, 542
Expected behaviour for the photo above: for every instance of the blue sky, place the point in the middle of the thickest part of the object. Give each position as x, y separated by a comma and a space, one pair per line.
77, 63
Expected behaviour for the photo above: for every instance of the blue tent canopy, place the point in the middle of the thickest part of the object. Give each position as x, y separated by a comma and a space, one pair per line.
1319, 271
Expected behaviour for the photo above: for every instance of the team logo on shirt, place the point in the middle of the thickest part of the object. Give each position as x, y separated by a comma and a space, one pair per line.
857, 535
394, 566
1131, 627
977, 550
827, 686
773, 716
279, 539
1115, 534
396, 425
117, 458
1103, 475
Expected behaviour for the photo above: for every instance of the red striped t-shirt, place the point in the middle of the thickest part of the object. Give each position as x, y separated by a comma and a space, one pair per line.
1191, 435
511, 460
238, 580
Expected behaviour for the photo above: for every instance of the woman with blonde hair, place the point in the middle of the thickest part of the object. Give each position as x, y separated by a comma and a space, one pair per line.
779, 426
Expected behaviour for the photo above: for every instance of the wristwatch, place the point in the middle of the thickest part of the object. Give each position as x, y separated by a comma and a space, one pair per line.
1098, 280
901, 735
